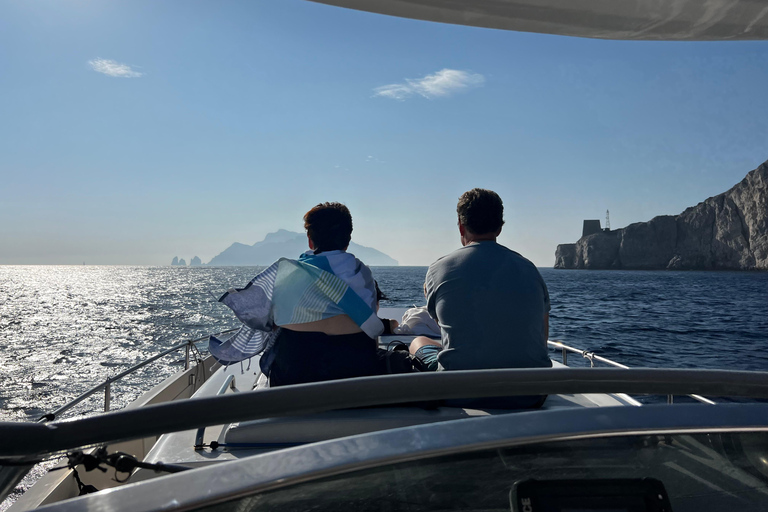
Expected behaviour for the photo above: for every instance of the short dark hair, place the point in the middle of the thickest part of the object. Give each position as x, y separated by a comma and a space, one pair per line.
481, 211
329, 226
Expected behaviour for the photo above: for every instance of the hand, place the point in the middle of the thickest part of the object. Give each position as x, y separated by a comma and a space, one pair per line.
389, 326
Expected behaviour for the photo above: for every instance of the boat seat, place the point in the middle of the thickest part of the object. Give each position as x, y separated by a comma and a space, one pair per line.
293, 430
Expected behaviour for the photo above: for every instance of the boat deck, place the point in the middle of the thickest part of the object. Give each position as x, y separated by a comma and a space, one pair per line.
238, 440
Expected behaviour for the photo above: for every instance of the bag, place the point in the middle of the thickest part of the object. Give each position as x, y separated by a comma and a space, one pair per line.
397, 361
416, 321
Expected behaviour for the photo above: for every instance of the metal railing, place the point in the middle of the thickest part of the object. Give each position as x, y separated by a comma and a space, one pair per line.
592, 357
107, 385
229, 382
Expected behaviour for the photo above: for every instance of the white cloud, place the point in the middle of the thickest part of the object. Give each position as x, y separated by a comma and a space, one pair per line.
394, 91
444, 83
113, 68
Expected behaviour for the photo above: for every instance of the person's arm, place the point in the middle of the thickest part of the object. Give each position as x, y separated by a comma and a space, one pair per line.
547, 308
390, 325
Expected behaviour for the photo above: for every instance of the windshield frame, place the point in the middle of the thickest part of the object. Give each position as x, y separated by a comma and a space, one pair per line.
223, 482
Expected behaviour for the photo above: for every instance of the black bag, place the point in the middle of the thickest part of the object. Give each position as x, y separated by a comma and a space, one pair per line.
397, 361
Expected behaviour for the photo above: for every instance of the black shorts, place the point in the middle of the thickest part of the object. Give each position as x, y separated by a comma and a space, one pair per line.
301, 357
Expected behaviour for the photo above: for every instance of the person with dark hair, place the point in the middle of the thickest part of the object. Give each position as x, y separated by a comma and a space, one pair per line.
334, 347
329, 227
315, 318
490, 302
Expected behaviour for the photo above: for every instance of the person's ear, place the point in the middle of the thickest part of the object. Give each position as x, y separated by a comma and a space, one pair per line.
311, 243
463, 233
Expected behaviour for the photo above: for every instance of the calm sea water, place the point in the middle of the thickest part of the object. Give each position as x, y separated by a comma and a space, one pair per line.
64, 329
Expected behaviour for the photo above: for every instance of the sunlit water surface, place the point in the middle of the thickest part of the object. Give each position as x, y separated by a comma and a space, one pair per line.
64, 329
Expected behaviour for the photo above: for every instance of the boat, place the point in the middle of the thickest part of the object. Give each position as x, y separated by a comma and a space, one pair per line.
215, 438
210, 435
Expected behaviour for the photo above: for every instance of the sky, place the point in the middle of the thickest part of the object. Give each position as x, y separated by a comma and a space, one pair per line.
135, 131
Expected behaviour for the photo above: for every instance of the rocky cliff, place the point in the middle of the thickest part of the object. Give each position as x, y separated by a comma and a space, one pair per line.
726, 232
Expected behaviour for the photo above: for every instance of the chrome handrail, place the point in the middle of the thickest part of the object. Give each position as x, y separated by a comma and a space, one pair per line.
107, 385
594, 357
584, 353
200, 436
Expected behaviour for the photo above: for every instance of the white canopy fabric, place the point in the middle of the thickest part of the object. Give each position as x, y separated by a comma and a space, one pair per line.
655, 20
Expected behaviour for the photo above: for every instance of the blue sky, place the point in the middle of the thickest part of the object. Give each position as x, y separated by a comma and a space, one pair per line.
135, 131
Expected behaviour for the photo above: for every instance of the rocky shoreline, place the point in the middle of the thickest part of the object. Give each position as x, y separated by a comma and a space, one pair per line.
726, 232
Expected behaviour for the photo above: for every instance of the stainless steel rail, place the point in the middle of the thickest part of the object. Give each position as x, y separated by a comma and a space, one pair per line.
107, 385
592, 357
200, 435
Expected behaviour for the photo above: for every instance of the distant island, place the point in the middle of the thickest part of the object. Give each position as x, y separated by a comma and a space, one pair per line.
288, 244
183, 263
726, 232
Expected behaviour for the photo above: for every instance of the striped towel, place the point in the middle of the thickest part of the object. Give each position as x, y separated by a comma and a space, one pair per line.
314, 287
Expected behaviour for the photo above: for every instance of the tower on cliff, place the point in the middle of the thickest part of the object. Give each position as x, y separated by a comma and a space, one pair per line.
607, 221
590, 227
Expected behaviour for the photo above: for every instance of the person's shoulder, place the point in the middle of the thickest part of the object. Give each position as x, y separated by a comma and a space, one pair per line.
441, 265
350, 258
517, 257
453, 255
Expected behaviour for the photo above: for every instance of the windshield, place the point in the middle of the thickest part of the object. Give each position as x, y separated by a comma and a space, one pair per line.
698, 473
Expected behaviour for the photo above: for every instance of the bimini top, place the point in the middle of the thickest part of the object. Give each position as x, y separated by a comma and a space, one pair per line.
658, 20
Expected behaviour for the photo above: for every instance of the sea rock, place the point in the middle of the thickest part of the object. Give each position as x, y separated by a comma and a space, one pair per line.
175, 260
598, 250
182, 262
648, 245
565, 256
195, 262
725, 232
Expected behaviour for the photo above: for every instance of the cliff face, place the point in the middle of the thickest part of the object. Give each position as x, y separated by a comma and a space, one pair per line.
726, 232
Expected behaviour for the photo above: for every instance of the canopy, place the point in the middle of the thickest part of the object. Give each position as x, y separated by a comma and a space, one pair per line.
659, 20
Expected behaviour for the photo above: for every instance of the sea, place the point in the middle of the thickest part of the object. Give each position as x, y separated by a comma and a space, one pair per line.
66, 329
